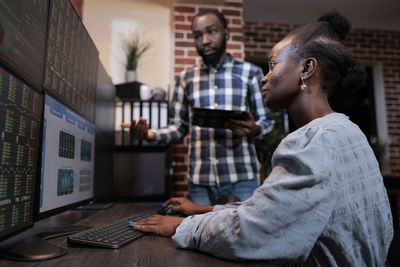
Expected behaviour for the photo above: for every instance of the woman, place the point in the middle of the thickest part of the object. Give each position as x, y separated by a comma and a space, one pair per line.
324, 202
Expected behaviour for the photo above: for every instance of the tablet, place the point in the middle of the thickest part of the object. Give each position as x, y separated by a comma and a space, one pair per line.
216, 118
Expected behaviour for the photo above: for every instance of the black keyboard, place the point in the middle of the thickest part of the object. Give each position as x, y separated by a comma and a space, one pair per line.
114, 235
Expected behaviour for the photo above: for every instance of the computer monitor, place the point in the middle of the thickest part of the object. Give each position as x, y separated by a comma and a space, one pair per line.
67, 168
34, 185
71, 60
23, 27
20, 127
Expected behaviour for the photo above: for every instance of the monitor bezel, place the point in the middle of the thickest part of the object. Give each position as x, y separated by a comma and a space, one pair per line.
42, 215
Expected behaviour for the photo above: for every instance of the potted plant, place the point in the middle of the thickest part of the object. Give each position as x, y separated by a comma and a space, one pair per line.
134, 48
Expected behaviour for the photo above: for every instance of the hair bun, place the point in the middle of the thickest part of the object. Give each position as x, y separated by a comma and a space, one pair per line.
354, 78
340, 25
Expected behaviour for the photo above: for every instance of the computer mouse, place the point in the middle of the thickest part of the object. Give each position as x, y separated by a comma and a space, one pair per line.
167, 209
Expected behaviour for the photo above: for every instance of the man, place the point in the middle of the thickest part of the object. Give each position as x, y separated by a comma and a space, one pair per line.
222, 161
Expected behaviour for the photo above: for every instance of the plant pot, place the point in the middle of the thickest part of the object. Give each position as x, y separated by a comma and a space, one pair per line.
130, 76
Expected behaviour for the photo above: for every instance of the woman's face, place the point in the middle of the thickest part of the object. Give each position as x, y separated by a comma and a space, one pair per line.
281, 84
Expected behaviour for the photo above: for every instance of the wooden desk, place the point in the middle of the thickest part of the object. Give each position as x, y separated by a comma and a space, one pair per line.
150, 251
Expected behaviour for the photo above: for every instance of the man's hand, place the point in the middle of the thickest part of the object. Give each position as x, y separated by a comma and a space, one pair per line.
186, 206
161, 225
140, 130
244, 127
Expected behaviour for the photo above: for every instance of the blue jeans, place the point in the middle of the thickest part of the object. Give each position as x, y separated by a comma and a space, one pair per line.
206, 195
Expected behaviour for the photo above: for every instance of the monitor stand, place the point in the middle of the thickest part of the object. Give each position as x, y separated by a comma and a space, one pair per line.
34, 249
38, 249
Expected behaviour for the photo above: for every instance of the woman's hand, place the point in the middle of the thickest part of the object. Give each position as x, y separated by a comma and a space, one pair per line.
187, 207
161, 225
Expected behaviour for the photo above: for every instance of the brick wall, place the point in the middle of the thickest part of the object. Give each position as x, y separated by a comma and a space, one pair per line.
186, 56
370, 46
78, 6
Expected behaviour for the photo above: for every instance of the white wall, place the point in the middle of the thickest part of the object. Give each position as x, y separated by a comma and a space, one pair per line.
107, 20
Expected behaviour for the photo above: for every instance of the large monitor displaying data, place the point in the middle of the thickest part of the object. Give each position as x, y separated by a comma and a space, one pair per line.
23, 27
71, 60
20, 124
67, 158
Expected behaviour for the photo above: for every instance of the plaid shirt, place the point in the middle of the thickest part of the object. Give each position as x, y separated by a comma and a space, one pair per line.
217, 156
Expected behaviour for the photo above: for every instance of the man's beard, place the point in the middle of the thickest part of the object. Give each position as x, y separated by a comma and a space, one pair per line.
213, 59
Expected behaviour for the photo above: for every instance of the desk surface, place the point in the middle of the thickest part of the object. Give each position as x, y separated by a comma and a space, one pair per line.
151, 250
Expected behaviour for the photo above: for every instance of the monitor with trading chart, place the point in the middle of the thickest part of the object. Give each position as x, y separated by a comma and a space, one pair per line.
67, 167
20, 124
71, 60
48, 76
23, 27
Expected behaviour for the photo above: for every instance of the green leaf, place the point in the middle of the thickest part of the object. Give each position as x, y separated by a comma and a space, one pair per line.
134, 49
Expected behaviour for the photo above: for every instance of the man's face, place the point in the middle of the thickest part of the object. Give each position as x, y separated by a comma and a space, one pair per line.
210, 38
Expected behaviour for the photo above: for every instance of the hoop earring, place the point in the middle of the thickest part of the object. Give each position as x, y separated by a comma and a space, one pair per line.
303, 86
